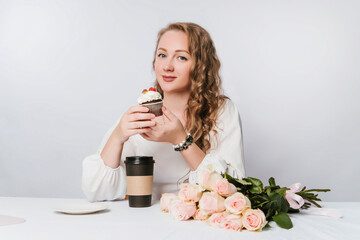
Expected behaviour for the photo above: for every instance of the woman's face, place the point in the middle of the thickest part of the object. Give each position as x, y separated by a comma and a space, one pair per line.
173, 62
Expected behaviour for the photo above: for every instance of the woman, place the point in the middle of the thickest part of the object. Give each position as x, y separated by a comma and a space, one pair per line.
187, 76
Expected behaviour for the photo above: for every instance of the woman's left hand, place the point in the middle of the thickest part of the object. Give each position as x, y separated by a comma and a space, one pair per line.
168, 129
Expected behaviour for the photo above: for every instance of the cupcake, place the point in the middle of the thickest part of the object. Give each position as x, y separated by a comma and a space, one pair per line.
152, 100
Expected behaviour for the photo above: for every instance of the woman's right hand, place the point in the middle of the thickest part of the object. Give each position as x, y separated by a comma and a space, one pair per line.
136, 120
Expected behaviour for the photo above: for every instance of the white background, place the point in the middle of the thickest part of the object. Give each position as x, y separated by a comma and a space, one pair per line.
69, 69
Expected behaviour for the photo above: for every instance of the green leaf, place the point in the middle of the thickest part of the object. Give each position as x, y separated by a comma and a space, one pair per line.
232, 180
269, 214
272, 182
260, 198
244, 182
262, 204
293, 210
284, 205
255, 189
315, 203
268, 191
255, 181
275, 201
318, 190
283, 220
257, 185
281, 191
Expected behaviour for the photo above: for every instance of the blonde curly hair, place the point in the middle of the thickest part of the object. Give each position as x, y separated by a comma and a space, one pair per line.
206, 98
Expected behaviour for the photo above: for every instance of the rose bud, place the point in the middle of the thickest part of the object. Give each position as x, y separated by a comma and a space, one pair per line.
214, 179
211, 202
200, 215
181, 210
254, 220
190, 192
204, 178
237, 203
224, 188
232, 222
165, 201
216, 219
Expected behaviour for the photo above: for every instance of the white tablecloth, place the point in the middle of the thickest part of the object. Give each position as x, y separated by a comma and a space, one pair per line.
123, 222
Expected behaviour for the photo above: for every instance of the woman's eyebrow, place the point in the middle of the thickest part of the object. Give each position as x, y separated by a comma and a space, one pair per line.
182, 51
179, 50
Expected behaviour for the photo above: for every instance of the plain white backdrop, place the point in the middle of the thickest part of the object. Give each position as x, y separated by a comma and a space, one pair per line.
69, 69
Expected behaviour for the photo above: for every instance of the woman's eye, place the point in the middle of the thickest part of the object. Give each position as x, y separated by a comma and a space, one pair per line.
161, 55
182, 58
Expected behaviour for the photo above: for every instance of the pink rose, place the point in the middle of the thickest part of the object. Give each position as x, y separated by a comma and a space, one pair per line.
190, 192
204, 177
237, 203
211, 202
213, 180
165, 201
254, 220
224, 188
216, 219
200, 215
207, 178
181, 210
232, 222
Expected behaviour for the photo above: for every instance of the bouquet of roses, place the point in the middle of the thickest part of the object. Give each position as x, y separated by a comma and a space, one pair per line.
235, 204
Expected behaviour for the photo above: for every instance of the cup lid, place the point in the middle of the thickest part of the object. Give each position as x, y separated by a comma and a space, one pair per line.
139, 160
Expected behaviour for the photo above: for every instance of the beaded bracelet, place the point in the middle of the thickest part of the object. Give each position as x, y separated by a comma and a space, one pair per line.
184, 144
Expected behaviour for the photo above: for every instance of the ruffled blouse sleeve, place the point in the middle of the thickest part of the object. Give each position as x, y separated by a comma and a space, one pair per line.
100, 182
227, 155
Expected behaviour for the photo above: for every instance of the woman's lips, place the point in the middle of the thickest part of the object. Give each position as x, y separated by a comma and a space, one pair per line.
168, 78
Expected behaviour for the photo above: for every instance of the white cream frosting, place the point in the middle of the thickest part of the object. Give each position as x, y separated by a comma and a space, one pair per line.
149, 96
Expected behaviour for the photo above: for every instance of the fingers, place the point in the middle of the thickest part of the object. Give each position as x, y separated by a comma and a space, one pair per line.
141, 124
136, 120
140, 117
137, 109
140, 131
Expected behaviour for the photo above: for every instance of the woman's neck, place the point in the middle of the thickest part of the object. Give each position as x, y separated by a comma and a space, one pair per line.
176, 103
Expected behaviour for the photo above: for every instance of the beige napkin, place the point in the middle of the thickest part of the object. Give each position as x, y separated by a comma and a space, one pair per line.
8, 220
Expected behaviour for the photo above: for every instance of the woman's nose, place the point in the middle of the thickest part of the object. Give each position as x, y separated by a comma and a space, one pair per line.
168, 66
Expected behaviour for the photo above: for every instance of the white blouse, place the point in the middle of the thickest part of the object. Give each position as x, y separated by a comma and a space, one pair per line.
100, 182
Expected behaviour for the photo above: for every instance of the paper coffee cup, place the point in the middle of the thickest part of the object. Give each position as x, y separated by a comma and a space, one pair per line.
139, 180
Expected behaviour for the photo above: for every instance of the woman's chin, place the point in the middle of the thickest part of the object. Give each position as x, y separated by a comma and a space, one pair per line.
173, 88
167, 88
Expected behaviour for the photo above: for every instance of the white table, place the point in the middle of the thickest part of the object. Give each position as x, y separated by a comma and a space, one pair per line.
122, 222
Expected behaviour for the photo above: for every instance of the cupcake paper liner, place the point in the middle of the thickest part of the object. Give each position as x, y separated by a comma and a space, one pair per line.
154, 108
